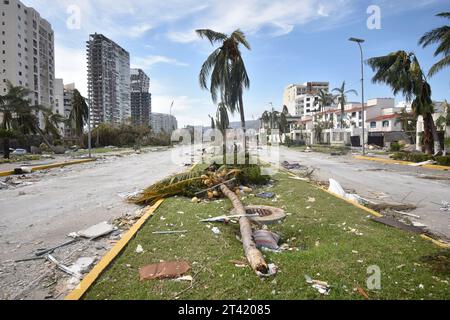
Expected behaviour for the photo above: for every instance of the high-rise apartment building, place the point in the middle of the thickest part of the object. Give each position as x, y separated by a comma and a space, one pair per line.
108, 81
301, 99
141, 99
27, 52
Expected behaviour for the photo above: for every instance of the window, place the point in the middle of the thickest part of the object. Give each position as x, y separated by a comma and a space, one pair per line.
385, 124
373, 125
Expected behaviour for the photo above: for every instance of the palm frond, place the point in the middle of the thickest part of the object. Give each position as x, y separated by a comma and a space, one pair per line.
181, 184
211, 35
445, 62
239, 37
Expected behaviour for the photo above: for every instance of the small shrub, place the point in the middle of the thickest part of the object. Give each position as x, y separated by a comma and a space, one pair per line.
395, 147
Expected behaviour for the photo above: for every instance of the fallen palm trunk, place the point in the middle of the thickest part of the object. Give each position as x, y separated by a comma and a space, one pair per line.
253, 255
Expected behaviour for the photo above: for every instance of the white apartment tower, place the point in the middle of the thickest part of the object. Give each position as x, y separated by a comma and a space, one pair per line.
27, 52
108, 81
301, 99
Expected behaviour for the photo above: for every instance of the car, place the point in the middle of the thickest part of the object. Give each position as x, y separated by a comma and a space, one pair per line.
19, 152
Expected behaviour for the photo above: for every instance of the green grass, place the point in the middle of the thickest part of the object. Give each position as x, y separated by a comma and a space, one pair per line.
322, 232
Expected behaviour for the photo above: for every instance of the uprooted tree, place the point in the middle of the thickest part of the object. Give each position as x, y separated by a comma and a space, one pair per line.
193, 183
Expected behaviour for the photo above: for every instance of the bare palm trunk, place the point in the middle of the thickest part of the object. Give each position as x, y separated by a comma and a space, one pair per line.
241, 111
42, 134
253, 255
427, 133
6, 147
437, 142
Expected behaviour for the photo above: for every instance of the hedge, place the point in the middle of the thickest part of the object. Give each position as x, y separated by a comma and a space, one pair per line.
421, 157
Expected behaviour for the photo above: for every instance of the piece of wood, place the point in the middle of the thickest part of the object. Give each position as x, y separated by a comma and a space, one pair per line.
254, 256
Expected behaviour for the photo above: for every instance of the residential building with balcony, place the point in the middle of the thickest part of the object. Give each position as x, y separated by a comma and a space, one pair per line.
301, 99
161, 122
27, 52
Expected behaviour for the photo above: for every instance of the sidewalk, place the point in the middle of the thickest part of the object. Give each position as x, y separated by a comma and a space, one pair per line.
399, 162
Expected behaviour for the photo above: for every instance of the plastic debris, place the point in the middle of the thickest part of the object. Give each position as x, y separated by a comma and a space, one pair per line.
215, 230
273, 269
185, 278
139, 249
321, 286
337, 189
266, 239
445, 206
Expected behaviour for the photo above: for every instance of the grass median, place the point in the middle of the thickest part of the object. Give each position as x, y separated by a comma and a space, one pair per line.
332, 241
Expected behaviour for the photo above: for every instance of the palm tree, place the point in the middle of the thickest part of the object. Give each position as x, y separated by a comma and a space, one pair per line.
342, 99
213, 123
402, 72
265, 118
52, 122
325, 99
222, 124
79, 114
440, 36
226, 70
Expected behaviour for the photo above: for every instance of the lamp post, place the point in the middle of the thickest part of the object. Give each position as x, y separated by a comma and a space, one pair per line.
359, 42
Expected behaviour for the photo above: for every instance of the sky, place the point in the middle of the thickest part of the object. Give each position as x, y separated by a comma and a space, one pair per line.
293, 41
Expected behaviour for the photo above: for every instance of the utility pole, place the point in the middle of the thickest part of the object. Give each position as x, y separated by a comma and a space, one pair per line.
359, 42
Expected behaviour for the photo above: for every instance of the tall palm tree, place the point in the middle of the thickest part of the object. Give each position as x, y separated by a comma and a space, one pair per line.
342, 99
226, 70
213, 123
440, 36
79, 114
402, 72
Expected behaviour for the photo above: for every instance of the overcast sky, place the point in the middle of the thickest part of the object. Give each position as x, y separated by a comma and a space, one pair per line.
293, 41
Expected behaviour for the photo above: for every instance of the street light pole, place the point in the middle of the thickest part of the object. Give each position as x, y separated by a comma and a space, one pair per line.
359, 42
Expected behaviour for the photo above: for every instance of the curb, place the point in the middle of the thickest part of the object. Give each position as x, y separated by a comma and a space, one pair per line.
438, 243
92, 276
86, 283
50, 166
405, 163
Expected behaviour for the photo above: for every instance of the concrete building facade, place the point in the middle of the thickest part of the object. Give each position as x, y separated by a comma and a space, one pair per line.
108, 81
163, 123
27, 52
301, 99
141, 98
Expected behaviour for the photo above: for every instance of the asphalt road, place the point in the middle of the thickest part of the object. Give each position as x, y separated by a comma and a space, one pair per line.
385, 183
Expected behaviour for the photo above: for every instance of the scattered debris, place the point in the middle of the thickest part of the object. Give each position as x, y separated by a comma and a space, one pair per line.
266, 195
311, 200
195, 200
407, 214
185, 278
43, 252
239, 264
337, 189
23, 170
272, 270
164, 270
386, 206
97, 231
321, 286
362, 292
264, 214
291, 166
82, 265
266, 239
397, 224
420, 164
215, 230
63, 267
139, 249
445, 206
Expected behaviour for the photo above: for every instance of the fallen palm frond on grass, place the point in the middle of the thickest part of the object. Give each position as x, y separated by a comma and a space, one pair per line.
186, 184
